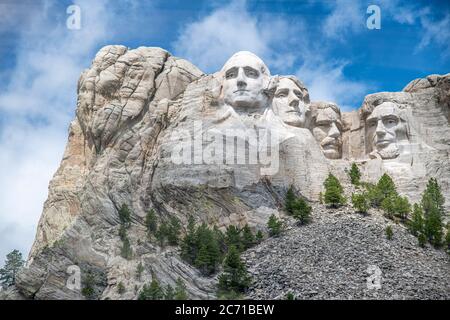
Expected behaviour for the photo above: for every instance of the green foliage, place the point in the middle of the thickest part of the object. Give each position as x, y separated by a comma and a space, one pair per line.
334, 193
13, 263
360, 202
290, 296
126, 251
151, 222
301, 211
169, 293
152, 291
173, 231
416, 225
389, 232
422, 240
402, 207
88, 286
290, 200
382, 190
235, 278
233, 238
433, 208
248, 239
180, 290
161, 234
189, 245
355, 174
121, 288
139, 270
259, 236
275, 226
125, 215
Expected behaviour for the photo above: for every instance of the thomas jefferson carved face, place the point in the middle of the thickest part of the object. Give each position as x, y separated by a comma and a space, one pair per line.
385, 129
245, 77
327, 127
289, 103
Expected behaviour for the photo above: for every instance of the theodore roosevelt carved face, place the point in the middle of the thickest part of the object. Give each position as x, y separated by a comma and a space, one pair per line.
327, 128
245, 78
290, 102
385, 129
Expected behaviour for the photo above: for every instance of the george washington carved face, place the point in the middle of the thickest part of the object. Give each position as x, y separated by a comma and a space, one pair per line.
385, 129
290, 102
245, 78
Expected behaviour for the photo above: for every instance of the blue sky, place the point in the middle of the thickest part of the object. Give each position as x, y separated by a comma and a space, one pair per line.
324, 43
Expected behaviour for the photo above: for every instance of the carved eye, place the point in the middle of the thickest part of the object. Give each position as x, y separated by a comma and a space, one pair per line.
251, 73
391, 121
231, 74
281, 94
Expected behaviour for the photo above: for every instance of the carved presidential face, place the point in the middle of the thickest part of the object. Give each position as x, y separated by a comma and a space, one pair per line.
327, 129
385, 129
245, 77
288, 103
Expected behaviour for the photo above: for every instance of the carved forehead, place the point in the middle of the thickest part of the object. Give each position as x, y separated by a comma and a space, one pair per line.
383, 110
327, 114
286, 83
246, 59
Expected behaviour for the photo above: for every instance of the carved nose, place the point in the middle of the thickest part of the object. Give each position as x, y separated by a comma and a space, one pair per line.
334, 131
241, 82
293, 101
380, 130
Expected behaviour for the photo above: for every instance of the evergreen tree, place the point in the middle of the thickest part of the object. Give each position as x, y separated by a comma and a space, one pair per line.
360, 202
433, 209
259, 236
388, 205
151, 222
209, 255
125, 215
235, 278
88, 290
290, 200
152, 291
274, 226
389, 232
233, 237
169, 293
384, 188
161, 234
355, 174
334, 193
248, 238
126, 251
290, 296
402, 207
422, 239
173, 231
189, 243
13, 263
180, 290
139, 270
301, 211
121, 288
416, 225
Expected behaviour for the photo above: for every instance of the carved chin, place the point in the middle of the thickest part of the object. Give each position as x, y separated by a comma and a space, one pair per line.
332, 154
389, 152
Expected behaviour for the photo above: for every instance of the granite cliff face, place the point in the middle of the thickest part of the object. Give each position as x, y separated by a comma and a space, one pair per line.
154, 132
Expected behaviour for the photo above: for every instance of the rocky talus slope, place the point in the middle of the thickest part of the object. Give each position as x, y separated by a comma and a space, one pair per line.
331, 258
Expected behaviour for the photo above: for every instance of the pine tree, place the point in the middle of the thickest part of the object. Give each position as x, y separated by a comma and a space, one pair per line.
189, 243
169, 293
173, 231
248, 238
120, 288
161, 234
209, 254
259, 236
422, 239
88, 290
233, 238
125, 215
416, 225
433, 197
13, 263
180, 290
274, 226
389, 232
301, 211
151, 222
139, 270
290, 200
235, 278
355, 174
433, 209
126, 251
384, 188
334, 193
402, 207
388, 205
152, 291
360, 202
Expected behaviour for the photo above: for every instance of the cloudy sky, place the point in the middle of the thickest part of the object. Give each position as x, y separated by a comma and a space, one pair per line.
325, 43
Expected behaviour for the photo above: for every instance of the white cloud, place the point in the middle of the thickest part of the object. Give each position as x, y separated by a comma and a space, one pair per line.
209, 42
346, 16
36, 108
437, 32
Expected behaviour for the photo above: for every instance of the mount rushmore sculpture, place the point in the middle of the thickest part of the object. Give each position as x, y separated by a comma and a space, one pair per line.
154, 132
